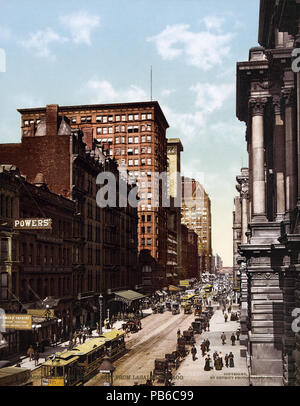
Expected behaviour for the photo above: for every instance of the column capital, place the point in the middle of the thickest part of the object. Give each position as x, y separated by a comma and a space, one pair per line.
257, 105
289, 97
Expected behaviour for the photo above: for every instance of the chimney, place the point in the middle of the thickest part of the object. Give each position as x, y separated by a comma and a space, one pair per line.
88, 137
51, 120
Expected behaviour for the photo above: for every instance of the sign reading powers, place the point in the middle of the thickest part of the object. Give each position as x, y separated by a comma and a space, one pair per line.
32, 224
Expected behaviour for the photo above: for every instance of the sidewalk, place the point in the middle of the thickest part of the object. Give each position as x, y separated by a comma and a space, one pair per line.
191, 373
26, 363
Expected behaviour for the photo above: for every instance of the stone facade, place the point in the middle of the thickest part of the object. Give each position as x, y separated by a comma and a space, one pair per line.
268, 102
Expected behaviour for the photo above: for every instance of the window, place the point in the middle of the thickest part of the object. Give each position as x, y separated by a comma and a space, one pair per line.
143, 128
117, 129
83, 119
136, 140
130, 117
143, 161
26, 122
143, 138
130, 129
117, 118
4, 249
123, 153
123, 118
149, 150
149, 116
136, 162
143, 241
130, 162
99, 130
149, 217
117, 151
149, 161
110, 118
143, 150
136, 151
98, 119
136, 116
149, 230
130, 140
104, 119
123, 128
148, 127
136, 129
73, 120
110, 152
104, 130
110, 130
148, 138
89, 119
143, 116
149, 241
129, 151
117, 140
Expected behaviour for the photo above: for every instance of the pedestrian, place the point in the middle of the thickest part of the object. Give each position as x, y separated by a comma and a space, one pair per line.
231, 360
75, 338
232, 338
36, 358
30, 352
225, 317
208, 326
178, 333
226, 360
229, 309
83, 338
207, 364
203, 348
215, 356
211, 365
221, 359
224, 309
238, 335
194, 352
207, 343
223, 338
80, 337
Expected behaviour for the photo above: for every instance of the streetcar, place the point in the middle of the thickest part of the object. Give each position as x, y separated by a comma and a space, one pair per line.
76, 366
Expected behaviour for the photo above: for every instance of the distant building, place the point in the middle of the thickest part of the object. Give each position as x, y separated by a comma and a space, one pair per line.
196, 215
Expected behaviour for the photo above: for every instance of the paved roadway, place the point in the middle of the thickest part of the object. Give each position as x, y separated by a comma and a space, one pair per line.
157, 338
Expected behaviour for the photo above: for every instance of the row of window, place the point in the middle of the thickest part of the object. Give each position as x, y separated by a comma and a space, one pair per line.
122, 129
111, 118
136, 162
130, 151
122, 140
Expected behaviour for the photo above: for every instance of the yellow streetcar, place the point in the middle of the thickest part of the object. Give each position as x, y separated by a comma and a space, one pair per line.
76, 366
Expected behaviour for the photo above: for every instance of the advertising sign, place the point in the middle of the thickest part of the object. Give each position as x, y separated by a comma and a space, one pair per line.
184, 283
41, 312
16, 321
32, 224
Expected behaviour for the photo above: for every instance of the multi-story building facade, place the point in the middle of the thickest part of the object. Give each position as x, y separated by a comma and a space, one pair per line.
135, 135
196, 215
268, 102
104, 257
174, 149
189, 252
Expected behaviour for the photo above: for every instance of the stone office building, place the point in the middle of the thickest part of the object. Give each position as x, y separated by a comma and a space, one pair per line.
268, 97
104, 257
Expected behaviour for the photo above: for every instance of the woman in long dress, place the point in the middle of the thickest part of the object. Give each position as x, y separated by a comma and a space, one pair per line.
231, 361
207, 364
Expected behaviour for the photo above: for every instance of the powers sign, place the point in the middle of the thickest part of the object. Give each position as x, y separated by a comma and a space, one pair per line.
32, 224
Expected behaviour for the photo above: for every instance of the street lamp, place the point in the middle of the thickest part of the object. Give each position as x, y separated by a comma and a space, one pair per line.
106, 367
100, 315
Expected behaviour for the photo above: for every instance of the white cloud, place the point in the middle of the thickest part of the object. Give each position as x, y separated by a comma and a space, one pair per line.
213, 22
39, 42
210, 97
80, 25
103, 92
201, 49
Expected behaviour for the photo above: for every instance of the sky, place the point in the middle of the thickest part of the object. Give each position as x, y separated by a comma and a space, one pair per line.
72, 52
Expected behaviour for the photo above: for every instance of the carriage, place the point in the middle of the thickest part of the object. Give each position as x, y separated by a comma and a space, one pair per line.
161, 370
181, 348
173, 360
175, 308
197, 327
188, 336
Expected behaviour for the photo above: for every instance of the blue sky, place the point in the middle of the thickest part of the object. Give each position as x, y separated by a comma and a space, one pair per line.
73, 52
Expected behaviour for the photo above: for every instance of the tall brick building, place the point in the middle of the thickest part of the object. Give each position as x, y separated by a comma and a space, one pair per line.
135, 135
104, 255
196, 215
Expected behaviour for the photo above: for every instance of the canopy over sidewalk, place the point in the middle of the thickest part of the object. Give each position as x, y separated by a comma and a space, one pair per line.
127, 296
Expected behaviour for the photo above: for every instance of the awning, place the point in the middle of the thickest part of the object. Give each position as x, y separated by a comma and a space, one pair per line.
159, 293
174, 288
127, 296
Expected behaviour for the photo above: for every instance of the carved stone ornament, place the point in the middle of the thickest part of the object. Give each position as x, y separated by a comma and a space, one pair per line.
266, 275
257, 105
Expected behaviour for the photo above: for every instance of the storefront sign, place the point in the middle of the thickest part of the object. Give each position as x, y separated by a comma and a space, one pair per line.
16, 321
41, 312
32, 224
184, 283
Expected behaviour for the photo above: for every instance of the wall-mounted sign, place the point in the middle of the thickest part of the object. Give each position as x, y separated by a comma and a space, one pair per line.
16, 321
32, 224
184, 283
41, 312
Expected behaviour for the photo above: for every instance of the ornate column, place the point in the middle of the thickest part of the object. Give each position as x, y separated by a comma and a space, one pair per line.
290, 149
279, 158
257, 106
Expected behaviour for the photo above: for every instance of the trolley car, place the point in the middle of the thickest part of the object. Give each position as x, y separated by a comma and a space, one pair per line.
76, 366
